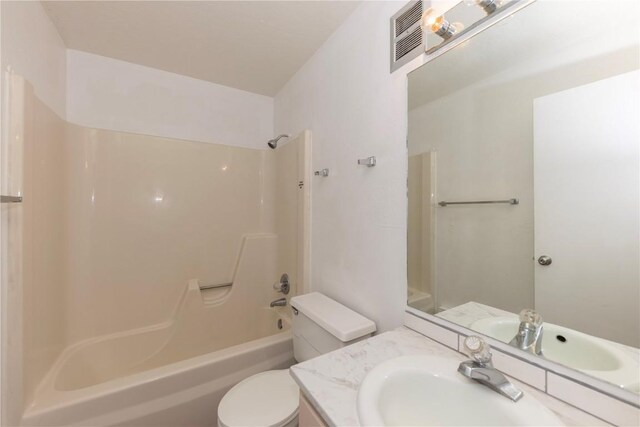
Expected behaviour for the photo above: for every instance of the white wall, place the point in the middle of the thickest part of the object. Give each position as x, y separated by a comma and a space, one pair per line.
356, 108
110, 94
96, 91
32, 47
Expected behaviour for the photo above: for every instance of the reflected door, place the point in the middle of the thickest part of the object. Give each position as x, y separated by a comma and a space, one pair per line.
587, 213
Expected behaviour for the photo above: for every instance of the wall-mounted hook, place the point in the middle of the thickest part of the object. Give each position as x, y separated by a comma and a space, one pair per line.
322, 172
368, 162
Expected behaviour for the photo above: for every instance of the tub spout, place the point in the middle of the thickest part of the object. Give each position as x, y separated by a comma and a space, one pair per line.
282, 302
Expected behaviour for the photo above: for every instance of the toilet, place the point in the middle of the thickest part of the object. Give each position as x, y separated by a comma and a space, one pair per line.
271, 398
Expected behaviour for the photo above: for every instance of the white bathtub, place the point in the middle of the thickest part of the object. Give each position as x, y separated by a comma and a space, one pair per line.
183, 393
176, 372
421, 300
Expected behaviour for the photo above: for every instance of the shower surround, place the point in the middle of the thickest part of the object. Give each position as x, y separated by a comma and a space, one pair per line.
116, 234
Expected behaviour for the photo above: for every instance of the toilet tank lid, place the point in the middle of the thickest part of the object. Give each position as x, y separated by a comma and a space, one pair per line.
340, 321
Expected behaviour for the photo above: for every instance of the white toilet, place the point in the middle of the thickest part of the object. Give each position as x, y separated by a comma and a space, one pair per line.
270, 398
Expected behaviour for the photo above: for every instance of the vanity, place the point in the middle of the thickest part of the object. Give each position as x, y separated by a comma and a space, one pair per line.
330, 384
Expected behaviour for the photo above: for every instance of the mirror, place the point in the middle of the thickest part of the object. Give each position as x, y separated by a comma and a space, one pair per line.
524, 184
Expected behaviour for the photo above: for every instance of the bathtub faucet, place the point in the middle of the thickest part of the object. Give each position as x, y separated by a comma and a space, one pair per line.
282, 302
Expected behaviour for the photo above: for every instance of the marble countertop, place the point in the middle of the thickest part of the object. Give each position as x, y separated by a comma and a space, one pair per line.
331, 381
470, 312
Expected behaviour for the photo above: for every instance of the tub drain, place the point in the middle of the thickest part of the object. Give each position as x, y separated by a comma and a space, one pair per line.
279, 323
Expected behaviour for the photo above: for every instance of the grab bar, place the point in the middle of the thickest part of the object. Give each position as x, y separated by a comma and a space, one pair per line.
214, 286
481, 202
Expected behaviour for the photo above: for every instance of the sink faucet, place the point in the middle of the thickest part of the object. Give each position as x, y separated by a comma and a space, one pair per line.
529, 336
278, 303
481, 369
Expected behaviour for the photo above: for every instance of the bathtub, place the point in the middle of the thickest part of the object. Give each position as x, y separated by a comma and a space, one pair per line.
173, 373
130, 379
421, 300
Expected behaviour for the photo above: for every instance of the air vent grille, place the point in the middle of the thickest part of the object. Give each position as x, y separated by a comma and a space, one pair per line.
406, 35
408, 18
407, 44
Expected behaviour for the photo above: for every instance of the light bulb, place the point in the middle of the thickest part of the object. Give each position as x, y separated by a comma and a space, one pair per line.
428, 19
437, 24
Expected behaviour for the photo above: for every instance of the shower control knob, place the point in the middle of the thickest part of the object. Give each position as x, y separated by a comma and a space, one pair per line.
545, 260
283, 284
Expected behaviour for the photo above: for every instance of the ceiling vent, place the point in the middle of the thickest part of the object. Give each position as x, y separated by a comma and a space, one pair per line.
406, 35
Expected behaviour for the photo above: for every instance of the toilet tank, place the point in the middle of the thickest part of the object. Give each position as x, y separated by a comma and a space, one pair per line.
321, 325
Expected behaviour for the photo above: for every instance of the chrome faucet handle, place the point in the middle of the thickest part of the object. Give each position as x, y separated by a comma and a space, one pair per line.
478, 349
283, 285
531, 317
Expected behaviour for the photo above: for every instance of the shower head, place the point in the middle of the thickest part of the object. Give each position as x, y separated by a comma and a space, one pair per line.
273, 143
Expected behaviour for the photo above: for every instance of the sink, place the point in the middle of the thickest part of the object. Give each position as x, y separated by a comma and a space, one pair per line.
571, 348
428, 391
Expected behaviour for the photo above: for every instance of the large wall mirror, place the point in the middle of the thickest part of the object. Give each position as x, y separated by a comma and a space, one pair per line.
524, 184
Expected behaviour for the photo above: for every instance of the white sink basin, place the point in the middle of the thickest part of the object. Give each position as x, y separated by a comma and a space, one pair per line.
589, 354
428, 391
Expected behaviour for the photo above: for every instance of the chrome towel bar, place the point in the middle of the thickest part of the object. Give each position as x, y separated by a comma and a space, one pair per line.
482, 202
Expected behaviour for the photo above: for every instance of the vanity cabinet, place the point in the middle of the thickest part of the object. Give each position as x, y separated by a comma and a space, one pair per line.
308, 416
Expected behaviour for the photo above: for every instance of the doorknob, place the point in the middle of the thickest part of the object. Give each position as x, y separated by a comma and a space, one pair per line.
545, 260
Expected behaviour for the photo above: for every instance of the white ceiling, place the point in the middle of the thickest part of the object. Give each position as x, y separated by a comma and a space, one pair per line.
251, 45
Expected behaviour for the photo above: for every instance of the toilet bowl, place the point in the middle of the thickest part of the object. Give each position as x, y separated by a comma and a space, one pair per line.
271, 398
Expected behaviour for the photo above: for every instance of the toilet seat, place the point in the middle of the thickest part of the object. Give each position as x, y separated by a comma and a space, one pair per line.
268, 399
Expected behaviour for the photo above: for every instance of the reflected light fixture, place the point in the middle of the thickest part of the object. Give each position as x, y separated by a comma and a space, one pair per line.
489, 6
438, 25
